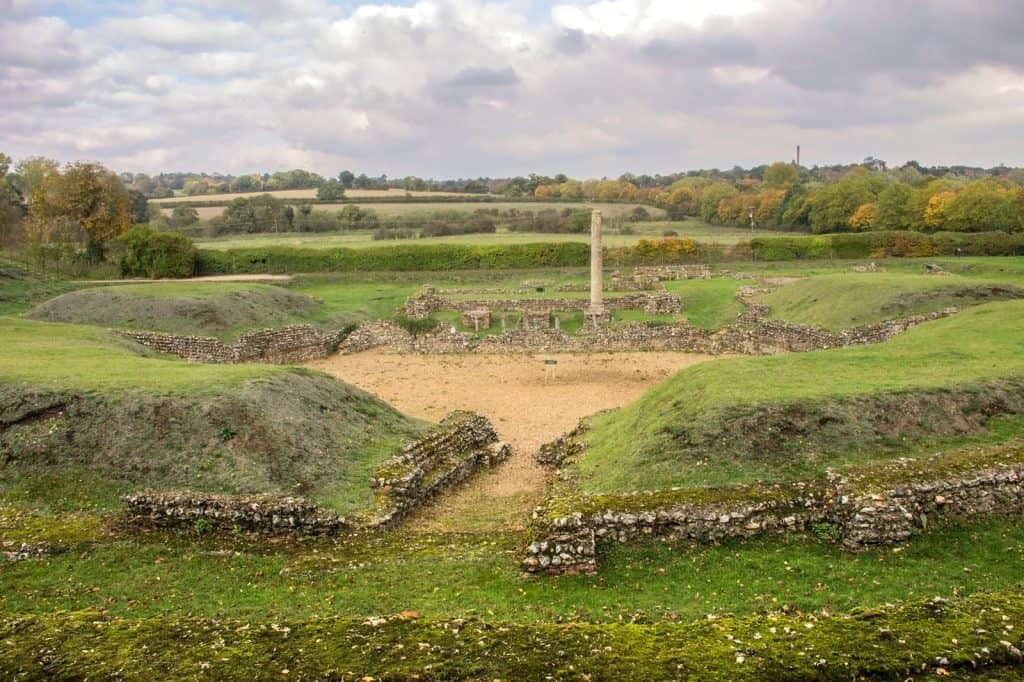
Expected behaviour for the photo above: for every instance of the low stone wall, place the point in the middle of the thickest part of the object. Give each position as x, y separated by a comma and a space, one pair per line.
265, 514
752, 334
294, 343
428, 302
463, 444
874, 504
460, 446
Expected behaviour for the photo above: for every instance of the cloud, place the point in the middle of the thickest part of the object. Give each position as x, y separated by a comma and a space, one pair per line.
467, 87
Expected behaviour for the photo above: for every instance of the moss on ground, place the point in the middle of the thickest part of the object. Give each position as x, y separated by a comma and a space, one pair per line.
961, 636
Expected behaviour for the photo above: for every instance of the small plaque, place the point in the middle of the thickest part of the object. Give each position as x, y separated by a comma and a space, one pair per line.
551, 362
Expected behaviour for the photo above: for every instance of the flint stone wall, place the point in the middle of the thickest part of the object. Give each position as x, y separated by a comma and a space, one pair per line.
428, 301
752, 335
462, 444
862, 516
294, 343
265, 514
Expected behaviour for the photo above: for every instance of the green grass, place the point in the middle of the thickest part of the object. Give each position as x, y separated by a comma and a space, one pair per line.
76, 357
447, 576
691, 229
840, 301
711, 303
634, 449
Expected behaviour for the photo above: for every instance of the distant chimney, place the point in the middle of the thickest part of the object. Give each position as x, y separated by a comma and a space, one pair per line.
798, 155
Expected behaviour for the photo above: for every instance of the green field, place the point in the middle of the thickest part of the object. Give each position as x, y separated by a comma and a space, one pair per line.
692, 229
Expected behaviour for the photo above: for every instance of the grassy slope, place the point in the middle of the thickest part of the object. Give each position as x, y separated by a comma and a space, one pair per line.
220, 309
632, 448
83, 358
848, 300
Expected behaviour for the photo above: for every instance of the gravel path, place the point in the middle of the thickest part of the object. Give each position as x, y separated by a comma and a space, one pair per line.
529, 403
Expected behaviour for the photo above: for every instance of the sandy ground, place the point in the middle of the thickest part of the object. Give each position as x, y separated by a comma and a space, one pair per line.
529, 403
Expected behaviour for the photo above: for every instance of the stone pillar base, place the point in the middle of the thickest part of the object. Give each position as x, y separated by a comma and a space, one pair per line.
596, 317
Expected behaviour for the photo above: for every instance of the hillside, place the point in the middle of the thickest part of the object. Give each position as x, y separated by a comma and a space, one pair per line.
83, 418
793, 415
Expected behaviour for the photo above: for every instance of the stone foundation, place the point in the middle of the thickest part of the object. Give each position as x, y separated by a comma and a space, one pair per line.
876, 504
265, 514
295, 343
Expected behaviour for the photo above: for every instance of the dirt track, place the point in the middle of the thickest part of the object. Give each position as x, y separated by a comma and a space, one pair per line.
529, 402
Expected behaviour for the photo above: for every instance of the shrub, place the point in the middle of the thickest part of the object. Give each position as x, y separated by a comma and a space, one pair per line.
416, 325
156, 255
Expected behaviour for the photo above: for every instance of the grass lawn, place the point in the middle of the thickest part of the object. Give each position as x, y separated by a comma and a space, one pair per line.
77, 357
693, 229
448, 576
633, 448
709, 303
848, 300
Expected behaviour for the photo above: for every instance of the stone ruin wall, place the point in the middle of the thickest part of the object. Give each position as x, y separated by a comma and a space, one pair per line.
264, 514
751, 335
428, 302
443, 458
294, 343
861, 518
463, 444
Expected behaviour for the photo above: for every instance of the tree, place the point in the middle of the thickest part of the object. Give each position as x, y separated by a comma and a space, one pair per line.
86, 205
146, 253
712, 196
139, 206
331, 190
184, 215
245, 183
975, 207
10, 204
864, 217
346, 178
781, 175
31, 172
833, 205
262, 213
894, 210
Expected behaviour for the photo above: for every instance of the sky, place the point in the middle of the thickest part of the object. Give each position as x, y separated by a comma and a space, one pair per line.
466, 88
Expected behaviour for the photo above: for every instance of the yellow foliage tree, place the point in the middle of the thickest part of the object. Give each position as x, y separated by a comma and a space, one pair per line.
938, 206
864, 217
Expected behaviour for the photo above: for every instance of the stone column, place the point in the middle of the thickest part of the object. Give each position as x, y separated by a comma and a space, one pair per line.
596, 304
595, 314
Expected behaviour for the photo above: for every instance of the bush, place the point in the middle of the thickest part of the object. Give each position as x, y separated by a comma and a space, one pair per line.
156, 255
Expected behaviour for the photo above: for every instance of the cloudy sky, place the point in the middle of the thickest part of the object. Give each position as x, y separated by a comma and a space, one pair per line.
448, 88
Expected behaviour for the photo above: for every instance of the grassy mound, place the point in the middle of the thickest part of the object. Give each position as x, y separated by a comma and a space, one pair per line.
84, 419
296, 432
219, 309
794, 415
840, 301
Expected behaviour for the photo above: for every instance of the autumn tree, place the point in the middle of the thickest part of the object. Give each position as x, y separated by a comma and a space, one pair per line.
85, 206
833, 205
781, 175
864, 217
31, 172
712, 196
